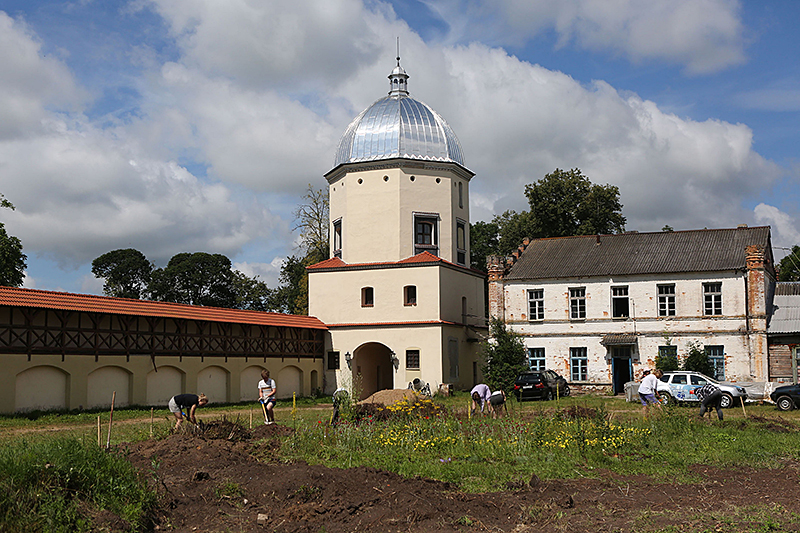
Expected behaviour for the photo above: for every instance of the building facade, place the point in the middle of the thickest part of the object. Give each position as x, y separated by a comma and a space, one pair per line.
600, 308
784, 332
397, 294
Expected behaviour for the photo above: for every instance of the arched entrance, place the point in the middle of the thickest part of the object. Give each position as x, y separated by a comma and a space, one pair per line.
373, 361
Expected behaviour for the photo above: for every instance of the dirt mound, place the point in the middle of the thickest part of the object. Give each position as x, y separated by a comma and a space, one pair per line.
390, 397
215, 484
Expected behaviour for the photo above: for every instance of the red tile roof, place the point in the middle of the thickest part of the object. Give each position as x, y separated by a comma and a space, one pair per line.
90, 303
428, 258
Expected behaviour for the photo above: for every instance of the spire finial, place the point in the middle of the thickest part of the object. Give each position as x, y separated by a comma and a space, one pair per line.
398, 79
398, 50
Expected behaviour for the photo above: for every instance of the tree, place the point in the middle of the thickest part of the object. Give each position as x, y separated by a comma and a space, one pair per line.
253, 294
313, 222
667, 362
566, 203
195, 278
126, 273
697, 360
292, 295
789, 267
12, 260
505, 357
483, 242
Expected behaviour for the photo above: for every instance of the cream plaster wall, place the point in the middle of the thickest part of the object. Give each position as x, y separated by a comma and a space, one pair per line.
80, 381
377, 206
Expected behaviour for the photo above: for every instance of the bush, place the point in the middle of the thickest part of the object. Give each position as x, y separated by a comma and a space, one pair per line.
697, 360
505, 357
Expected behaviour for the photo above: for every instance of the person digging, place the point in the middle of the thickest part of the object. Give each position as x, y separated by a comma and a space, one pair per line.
266, 397
190, 402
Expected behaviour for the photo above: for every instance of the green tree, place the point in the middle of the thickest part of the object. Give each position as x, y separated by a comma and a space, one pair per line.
12, 260
483, 242
697, 360
667, 362
504, 356
292, 294
253, 294
312, 219
789, 267
566, 203
195, 278
126, 273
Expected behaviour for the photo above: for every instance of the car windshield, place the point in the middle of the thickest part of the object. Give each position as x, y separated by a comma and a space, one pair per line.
529, 378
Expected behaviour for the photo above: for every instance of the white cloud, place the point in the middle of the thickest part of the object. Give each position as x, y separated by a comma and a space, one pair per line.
785, 227
266, 272
704, 36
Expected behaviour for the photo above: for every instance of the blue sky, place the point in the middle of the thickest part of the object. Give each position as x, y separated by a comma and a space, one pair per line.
196, 125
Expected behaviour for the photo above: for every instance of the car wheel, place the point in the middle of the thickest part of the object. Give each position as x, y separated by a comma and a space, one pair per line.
548, 395
726, 401
565, 391
665, 398
785, 403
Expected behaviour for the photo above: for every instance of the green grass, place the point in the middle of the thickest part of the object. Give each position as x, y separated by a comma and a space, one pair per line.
55, 485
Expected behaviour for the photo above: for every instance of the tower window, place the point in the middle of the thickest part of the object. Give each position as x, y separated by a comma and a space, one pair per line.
460, 195
410, 295
367, 297
425, 234
461, 243
337, 238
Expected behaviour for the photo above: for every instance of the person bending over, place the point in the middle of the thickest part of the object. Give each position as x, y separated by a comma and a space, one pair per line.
190, 402
480, 397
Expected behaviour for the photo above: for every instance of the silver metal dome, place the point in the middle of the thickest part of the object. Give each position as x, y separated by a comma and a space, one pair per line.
398, 126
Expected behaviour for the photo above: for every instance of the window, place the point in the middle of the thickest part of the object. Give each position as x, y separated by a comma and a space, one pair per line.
666, 300
536, 358
337, 238
668, 352
619, 302
425, 234
410, 295
712, 296
716, 356
460, 195
536, 304
412, 359
577, 303
367, 297
578, 363
333, 360
679, 379
461, 243
697, 380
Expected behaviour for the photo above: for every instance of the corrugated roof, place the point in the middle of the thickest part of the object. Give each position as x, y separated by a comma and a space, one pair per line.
121, 306
785, 308
421, 259
639, 253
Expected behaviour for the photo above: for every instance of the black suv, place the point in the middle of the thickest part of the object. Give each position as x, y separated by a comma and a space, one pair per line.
786, 397
540, 385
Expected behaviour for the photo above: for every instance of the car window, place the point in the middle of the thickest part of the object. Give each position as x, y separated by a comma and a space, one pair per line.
679, 380
697, 380
665, 379
529, 378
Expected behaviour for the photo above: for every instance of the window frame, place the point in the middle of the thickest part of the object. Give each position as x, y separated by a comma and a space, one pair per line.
337, 238
410, 355
536, 305
367, 296
615, 298
461, 242
431, 219
537, 354
333, 360
666, 299
716, 356
712, 299
577, 303
579, 363
409, 300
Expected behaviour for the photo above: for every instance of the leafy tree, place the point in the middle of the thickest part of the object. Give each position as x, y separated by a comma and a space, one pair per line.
12, 260
565, 203
483, 242
667, 362
292, 295
697, 360
195, 278
504, 356
126, 273
789, 267
253, 294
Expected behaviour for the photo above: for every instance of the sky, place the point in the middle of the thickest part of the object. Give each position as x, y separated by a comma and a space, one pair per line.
197, 125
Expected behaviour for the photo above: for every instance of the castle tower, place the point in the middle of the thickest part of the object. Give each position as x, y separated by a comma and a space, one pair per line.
397, 293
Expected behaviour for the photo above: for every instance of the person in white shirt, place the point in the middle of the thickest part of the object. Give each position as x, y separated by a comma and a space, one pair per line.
266, 395
648, 390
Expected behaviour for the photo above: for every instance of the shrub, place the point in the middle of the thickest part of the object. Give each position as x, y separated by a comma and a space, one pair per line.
505, 357
697, 360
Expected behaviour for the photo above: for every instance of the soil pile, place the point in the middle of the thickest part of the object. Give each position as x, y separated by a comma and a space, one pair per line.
210, 482
390, 397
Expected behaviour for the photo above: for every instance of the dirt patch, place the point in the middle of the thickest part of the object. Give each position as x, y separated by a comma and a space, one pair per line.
213, 483
391, 397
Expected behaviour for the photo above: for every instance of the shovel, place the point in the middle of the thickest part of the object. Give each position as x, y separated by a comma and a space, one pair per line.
264, 409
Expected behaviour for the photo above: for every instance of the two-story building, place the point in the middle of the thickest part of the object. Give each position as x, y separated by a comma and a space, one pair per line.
600, 308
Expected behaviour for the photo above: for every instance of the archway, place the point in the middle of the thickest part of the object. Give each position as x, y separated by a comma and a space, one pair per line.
289, 381
213, 382
248, 383
104, 382
41, 387
373, 362
163, 385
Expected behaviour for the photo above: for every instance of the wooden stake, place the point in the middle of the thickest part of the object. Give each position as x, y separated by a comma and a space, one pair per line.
743, 411
99, 439
151, 422
111, 420
251, 417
